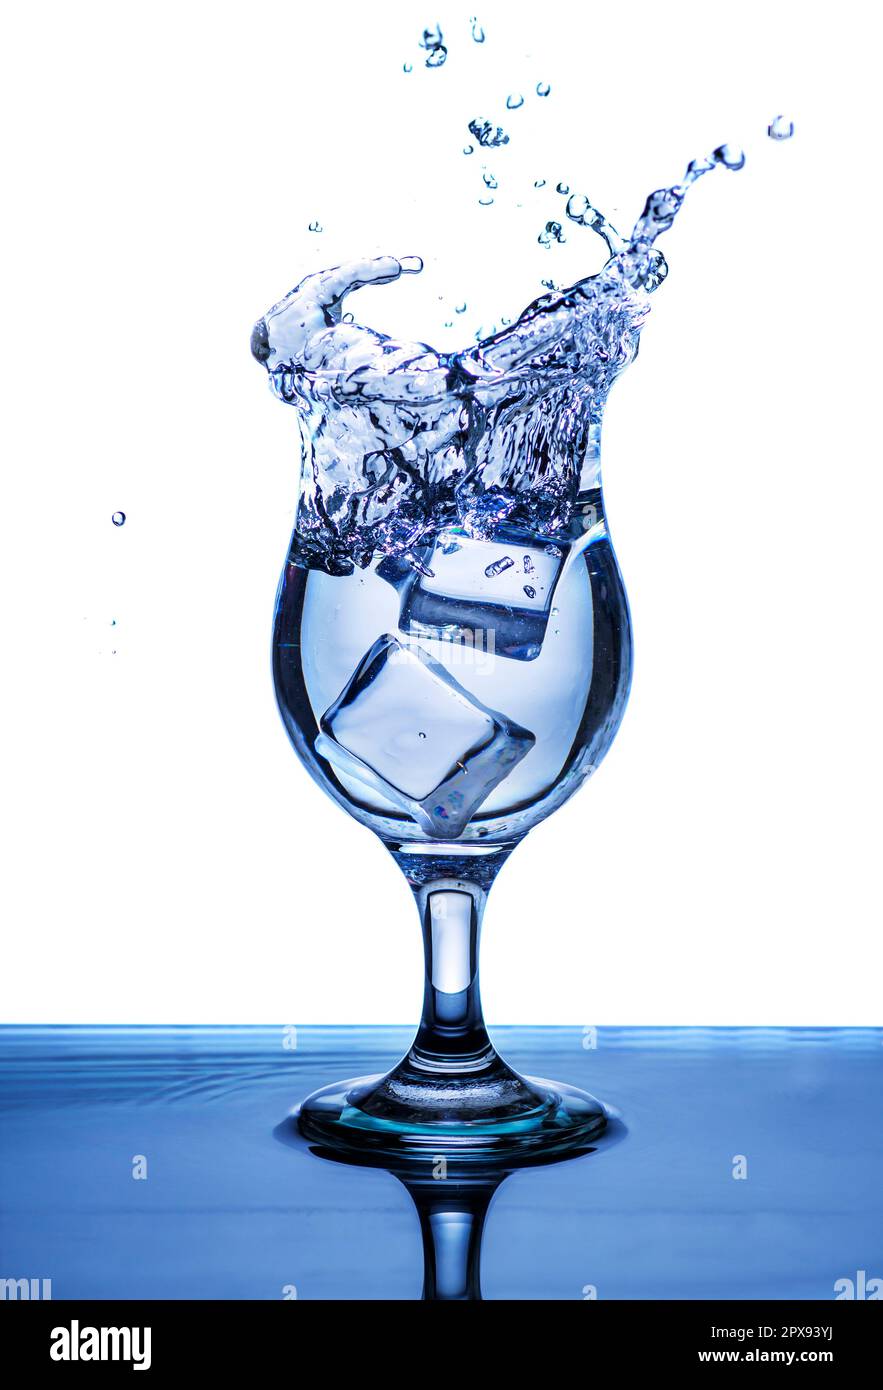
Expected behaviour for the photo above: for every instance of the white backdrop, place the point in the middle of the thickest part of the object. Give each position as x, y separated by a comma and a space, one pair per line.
167, 858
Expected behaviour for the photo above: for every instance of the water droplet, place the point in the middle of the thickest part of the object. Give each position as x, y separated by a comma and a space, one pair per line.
563, 188
490, 180
730, 156
486, 134
527, 565
485, 202
411, 265
434, 43
407, 67
348, 318
530, 591
315, 227
780, 128
119, 518
514, 100
460, 308
477, 32
539, 183
499, 566
553, 231
467, 149
548, 284
543, 89
577, 207
420, 733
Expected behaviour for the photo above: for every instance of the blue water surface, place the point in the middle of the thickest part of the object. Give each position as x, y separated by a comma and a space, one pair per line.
227, 1211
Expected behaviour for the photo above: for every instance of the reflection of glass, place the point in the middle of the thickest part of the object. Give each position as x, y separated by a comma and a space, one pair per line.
449, 691
452, 1201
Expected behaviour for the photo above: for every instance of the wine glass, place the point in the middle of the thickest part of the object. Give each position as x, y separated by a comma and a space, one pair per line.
450, 695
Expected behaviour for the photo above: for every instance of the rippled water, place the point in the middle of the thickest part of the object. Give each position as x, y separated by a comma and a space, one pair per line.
227, 1211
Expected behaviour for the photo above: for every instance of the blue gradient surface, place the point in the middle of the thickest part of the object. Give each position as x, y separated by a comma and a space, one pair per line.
227, 1211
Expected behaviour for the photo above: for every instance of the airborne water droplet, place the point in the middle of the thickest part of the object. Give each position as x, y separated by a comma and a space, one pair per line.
477, 32
460, 308
730, 156
485, 202
780, 128
407, 67
486, 134
577, 206
315, 227
119, 518
411, 265
563, 188
467, 149
539, 183
514, 100
490, 180
434, 43
543, 89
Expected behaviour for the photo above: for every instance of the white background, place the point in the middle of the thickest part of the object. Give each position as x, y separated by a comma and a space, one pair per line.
166, 857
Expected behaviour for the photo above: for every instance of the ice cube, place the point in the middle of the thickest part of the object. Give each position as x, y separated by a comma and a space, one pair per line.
403, 726
495, 594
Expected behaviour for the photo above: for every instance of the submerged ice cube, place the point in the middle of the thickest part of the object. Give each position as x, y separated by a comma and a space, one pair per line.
403, 726
495, 594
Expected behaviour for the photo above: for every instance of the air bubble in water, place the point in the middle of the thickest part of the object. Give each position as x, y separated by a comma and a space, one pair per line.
514, 100
530, 591
543, 89
499, 566
477, 32
119, 518
780, 128
315, 227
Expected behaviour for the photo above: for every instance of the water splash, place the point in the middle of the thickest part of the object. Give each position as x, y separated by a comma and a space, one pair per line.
400, 439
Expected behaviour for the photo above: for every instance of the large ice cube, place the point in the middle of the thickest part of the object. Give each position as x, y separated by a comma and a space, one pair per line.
405, 727
495, 594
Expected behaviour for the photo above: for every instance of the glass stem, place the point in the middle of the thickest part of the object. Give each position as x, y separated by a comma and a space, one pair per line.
451, 892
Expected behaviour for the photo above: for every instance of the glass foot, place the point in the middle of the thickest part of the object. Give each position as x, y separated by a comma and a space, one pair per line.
497, 1117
